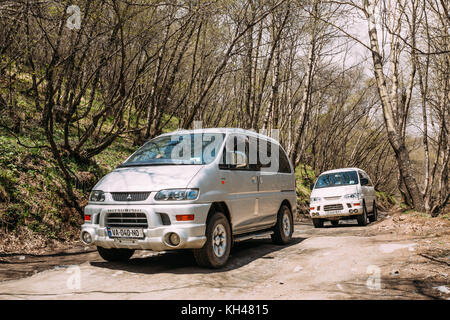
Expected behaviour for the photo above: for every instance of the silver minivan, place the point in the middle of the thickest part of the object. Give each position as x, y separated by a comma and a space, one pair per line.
193, 189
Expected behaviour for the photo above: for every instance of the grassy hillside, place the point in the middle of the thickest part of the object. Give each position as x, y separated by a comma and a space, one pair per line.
33, 205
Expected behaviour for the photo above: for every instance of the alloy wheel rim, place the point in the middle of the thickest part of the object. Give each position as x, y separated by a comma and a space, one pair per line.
219, 240
286, 222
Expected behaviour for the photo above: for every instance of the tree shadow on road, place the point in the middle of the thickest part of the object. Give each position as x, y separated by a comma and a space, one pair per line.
183, 262
400, 288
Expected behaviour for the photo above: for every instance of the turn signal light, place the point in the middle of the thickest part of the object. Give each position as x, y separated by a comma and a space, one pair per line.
185, 217
311, 208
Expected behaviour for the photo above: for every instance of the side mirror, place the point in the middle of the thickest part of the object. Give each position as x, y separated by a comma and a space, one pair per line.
240, 160
364, 181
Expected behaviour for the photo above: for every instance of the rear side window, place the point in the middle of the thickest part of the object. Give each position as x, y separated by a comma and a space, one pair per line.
285, 167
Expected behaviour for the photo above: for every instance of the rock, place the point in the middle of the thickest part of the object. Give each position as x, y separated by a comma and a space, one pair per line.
401, 218
298, 268
395, 272
442, 289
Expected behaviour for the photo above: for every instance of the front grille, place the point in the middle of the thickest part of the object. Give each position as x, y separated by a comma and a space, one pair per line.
130, 196
332, 198
332, 207
127, 219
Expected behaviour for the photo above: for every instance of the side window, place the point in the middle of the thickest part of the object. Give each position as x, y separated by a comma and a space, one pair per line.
360, 177
363, 175
264, 153
284, 162
236, 143
370, 184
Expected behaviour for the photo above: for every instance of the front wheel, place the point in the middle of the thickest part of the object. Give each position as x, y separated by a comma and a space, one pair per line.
282, 232
318, 223
374, 216
115, 254
216, 250
362, 218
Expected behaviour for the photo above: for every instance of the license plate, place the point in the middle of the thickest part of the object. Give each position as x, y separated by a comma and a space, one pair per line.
130, 233
334, 212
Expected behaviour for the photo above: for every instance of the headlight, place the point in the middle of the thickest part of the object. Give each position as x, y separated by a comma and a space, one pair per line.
315, 199
352, 196
97, 196
177, 194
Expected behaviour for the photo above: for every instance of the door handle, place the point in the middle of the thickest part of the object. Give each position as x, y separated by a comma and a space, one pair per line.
255, 179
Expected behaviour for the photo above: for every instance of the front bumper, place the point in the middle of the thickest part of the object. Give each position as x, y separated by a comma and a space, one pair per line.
191, 233
349, 208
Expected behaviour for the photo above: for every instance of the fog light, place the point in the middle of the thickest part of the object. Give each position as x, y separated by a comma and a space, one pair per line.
174, 239
86, 237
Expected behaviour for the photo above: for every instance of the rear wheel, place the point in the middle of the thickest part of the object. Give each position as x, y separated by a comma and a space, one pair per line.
318, 223
362, 218
115, 254
374, 216
216, 250
285, 227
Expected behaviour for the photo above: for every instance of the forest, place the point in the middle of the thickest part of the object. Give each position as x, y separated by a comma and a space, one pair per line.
352, 83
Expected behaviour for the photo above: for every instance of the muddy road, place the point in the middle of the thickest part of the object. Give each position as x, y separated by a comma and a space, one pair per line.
343, 262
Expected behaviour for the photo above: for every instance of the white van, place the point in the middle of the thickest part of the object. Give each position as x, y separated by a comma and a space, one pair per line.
346, 193
193, 189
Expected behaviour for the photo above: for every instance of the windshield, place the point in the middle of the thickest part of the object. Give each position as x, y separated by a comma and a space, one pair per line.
177, 149
337, 179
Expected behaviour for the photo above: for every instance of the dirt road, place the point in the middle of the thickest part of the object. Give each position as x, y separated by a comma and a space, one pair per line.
343, 262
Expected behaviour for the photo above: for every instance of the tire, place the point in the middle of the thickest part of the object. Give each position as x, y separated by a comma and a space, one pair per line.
318, 223
115, 254
362, 218
334, 223
284, 227
374, 216
212, 254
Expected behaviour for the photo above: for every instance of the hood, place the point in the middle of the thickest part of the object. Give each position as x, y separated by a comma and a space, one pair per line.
151, 178
334, 191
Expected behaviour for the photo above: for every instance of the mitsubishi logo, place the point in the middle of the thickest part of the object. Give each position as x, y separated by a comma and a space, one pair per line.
129, 197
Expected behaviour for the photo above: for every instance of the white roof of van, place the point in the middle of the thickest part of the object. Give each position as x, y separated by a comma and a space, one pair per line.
223, 130
342, 169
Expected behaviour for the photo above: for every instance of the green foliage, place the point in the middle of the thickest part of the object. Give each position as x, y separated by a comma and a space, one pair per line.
304, 176
385, 198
